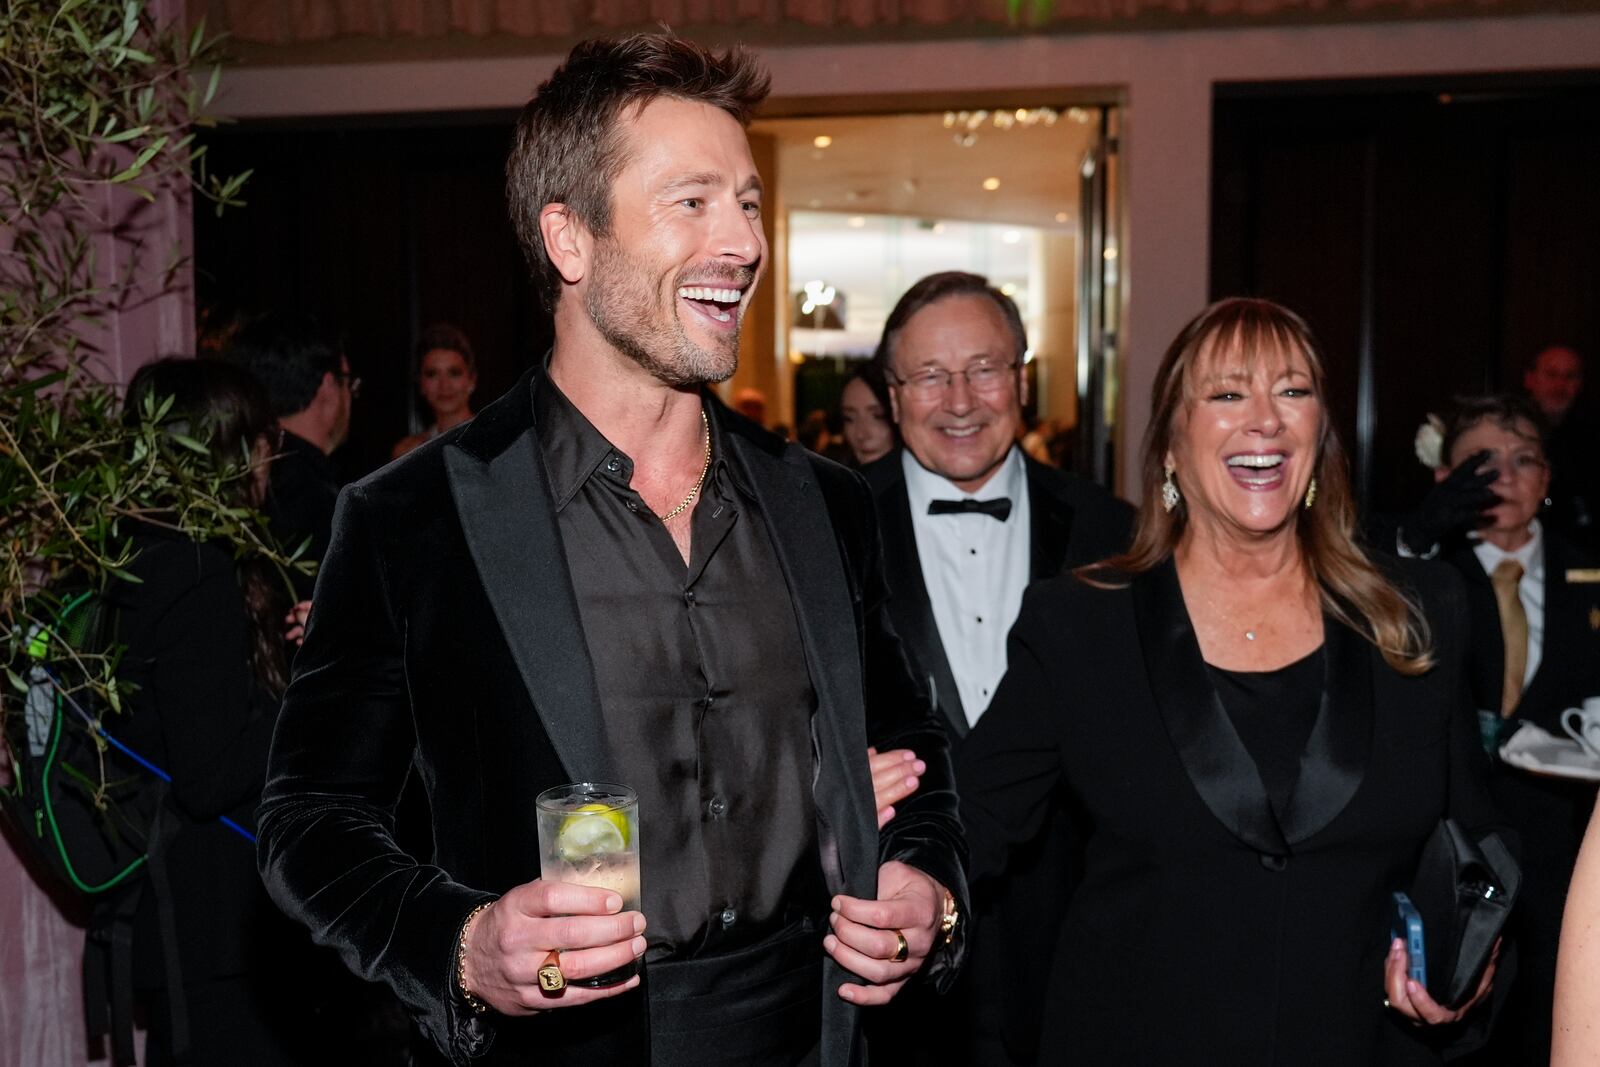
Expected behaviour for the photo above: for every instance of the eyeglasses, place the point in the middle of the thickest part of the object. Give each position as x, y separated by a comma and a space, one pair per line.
350, 381
982, 377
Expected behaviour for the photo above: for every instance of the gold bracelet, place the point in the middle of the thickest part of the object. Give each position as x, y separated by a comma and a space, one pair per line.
478, 1007
949, 917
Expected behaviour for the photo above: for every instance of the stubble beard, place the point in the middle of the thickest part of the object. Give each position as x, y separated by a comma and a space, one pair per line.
627, 312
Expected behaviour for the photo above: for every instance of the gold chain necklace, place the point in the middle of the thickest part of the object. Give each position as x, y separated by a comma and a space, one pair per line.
698, 482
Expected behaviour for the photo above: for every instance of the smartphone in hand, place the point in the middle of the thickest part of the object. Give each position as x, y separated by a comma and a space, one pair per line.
1405, 922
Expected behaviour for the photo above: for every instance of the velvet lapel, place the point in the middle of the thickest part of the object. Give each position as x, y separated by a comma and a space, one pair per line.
796, 516
1052, 524
1335, 759
912, 610
502, 496
1209, 747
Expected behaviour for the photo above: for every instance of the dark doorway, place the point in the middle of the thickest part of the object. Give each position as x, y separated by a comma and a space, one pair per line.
1436, 236
380, 229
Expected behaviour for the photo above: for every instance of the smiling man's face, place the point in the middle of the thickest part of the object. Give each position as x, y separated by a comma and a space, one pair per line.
672, 280
960, 433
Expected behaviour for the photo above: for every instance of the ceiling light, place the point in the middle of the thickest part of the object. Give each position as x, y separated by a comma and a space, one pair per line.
856, 222
822, 140
938, 227
1009, 288
991, 184
1062, 216
1011, 237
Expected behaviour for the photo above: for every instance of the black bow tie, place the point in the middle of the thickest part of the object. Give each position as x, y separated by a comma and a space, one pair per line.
998, 508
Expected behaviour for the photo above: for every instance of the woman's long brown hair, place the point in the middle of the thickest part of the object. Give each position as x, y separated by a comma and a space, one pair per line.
1353, 590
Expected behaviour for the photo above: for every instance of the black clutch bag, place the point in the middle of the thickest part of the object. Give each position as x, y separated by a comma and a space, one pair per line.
1464, 890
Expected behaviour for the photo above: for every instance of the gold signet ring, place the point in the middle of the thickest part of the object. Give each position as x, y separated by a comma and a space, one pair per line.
901, 952
551, 980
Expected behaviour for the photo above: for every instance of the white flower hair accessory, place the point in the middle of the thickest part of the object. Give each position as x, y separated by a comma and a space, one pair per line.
1429, 442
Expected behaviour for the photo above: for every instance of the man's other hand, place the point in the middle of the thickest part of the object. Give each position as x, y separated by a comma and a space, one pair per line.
895, 776
864, 940
508, 941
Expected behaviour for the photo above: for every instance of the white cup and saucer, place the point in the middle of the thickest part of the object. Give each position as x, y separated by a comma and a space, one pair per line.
1583, 726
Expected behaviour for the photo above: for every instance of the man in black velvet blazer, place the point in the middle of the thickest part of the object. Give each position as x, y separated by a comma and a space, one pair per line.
560, 591
991, 520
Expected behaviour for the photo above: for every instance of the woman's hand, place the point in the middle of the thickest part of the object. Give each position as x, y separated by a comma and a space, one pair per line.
1410, 999
895, 776
295, 622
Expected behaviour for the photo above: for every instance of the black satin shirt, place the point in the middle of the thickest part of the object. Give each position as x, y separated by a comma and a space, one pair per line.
703, 687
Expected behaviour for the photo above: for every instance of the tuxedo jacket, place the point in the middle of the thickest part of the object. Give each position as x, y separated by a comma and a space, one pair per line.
446, 634
1207, 928
1073, 521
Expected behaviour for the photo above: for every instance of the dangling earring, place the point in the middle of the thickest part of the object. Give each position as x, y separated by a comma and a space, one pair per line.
1169, 490
1311, 494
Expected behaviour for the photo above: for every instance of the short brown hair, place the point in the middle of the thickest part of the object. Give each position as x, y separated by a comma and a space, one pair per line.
566, 149
936, 287
1505, 410
1353, 589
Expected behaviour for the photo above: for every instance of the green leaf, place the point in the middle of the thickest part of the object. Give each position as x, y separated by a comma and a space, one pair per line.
211, 86
188, 442
17, 681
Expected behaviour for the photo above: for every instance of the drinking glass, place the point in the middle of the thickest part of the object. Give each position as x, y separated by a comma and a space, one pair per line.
589, 835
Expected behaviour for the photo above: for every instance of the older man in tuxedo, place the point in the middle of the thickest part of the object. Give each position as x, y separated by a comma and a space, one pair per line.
609, 576
968, 521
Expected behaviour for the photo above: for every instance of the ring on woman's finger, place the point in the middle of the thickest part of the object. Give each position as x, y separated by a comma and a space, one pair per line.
551, 980
902, 951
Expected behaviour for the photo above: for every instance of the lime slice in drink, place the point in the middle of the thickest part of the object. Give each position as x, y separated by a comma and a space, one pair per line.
596, 831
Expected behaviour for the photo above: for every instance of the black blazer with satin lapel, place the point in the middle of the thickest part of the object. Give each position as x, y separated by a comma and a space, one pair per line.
1256, 937
1549, 814
1073, 522
445, 634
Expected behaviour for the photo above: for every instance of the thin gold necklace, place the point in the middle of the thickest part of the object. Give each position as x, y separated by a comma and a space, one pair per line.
698, 482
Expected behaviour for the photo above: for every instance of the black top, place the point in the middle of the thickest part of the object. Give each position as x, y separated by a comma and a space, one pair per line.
703, 690
1273, 711
305, 487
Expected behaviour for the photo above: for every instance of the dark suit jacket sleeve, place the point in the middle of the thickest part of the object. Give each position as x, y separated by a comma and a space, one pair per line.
1010, 766
339, 758
926, 830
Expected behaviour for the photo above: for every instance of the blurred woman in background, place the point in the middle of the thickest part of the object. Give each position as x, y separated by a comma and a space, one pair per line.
864, 408
447, 374
206, 657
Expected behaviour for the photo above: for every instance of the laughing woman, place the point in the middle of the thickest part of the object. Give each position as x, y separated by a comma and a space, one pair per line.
1258, 725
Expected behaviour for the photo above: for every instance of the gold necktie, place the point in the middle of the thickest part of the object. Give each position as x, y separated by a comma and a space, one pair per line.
1513, 631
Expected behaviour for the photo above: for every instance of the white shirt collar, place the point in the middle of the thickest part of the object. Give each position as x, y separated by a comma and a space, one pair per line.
1530, 555
924, 486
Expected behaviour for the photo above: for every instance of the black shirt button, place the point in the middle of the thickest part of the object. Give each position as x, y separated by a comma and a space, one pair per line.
718, 807
633, 506
1274, 863
613, 465
688, 596
729, 916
